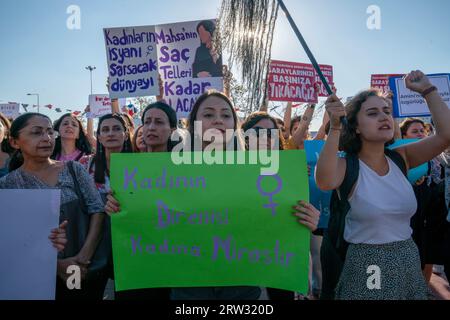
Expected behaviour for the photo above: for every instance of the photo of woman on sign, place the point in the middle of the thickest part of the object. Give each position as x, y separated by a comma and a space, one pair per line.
208, 62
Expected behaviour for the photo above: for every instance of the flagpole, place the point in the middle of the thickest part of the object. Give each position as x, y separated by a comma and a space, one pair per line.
35, 94
308, 52
91, 68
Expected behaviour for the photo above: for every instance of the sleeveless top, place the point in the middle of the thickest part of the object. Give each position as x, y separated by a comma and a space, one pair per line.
381, 207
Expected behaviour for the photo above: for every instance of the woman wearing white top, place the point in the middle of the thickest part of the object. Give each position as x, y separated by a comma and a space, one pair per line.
382, 202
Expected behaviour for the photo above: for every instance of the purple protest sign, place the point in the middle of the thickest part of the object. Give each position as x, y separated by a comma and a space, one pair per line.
183, 54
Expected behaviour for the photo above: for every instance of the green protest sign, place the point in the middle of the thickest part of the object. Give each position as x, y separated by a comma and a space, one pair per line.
197, 225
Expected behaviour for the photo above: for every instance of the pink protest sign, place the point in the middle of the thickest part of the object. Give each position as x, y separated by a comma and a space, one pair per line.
290, 81
381, 81
327, 71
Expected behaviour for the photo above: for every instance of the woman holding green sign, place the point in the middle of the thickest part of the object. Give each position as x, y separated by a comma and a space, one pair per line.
113, 136
215, 112
372, 238
159, 121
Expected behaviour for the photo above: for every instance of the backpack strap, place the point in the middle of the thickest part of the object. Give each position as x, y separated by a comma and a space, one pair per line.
351, 176
398, 160
334, 247
343, 206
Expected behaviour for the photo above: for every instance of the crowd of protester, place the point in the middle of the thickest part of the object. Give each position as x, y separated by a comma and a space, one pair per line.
377, 215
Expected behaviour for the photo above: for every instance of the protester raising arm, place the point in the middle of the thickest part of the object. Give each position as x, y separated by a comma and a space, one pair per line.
114, 102
361, 219
90, 128
426, 149
160, 97
287, 116
115, 106
330, 169
321, 133
300, 135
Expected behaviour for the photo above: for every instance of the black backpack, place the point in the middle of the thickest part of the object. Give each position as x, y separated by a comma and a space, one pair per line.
334, 247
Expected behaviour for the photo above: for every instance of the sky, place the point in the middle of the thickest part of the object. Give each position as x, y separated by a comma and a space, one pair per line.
41, 55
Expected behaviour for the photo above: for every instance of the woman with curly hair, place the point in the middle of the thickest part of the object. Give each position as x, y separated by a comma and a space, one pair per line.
376, 227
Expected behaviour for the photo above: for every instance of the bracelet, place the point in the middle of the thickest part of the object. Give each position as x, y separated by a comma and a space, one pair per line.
428, 91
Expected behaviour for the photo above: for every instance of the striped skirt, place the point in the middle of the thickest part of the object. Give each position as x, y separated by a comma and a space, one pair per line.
382, 272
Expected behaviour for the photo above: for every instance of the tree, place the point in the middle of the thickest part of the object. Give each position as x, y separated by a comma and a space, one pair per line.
239, 96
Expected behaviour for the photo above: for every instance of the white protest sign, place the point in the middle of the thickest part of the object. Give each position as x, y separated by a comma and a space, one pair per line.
10, 110
411, 104
28, 259
183, 53
132, 61
100, 104
188, 63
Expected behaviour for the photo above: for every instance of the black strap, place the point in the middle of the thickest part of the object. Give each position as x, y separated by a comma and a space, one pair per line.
342, 205
351, 176
352, 171
398, 160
